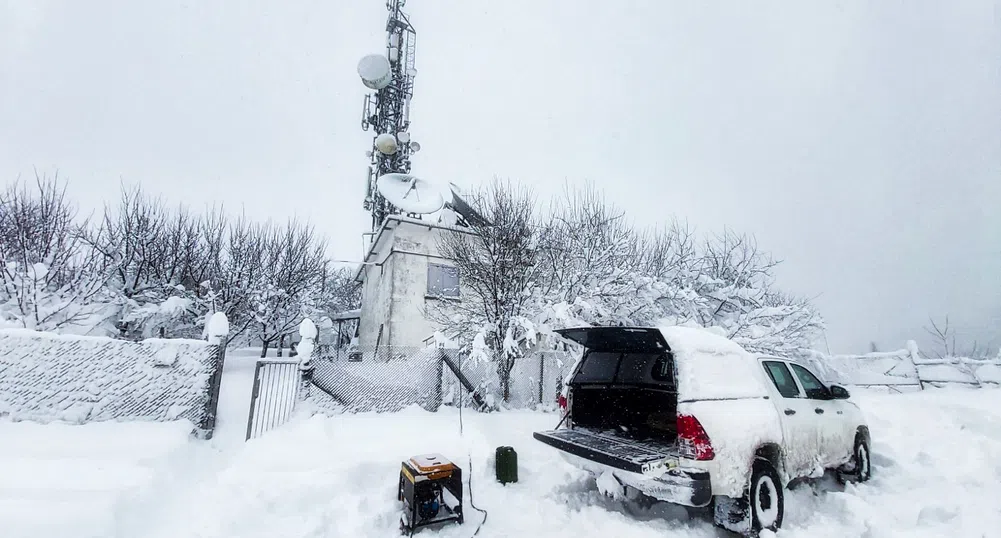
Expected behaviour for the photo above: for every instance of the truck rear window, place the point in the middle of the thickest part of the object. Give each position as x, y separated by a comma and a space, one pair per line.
629, 368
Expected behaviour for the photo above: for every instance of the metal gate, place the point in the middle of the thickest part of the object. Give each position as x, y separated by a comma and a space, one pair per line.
276, 388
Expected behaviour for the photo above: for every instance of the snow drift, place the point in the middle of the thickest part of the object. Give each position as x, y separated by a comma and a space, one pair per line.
936, 457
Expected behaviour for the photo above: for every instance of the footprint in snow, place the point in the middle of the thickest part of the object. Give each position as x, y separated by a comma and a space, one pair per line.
936, 514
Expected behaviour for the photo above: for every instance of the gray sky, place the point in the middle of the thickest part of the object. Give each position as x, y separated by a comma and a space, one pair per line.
860, 141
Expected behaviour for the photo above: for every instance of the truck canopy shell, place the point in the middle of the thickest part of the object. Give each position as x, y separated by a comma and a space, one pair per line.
708, 366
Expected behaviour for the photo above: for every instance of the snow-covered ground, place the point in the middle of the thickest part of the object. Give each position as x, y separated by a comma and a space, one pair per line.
937, 472
84, 481
234, 396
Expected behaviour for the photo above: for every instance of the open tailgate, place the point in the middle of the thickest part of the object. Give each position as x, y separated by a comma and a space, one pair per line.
642, 457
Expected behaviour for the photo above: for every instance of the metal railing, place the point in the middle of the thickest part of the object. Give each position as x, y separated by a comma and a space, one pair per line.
276, 389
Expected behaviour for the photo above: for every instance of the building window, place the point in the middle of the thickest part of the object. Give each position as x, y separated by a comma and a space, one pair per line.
443, 280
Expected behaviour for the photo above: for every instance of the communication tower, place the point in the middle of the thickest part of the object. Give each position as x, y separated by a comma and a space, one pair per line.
389, 186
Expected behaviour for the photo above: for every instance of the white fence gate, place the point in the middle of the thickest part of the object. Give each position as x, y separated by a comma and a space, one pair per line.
276, 388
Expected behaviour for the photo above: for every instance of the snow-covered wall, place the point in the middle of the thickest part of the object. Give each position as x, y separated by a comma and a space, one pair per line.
395, 292
905, 368
46, 377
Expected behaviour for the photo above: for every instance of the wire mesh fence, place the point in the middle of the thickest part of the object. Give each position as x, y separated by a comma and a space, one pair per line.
46, 378
380, 379
389, 379
337, 353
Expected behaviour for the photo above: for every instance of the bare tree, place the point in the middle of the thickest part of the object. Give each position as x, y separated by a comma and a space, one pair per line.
291, 278
339, 292
736, 291
238, 270
944, 337
164, 261
498, 268
49, 277
586, 265
947, 344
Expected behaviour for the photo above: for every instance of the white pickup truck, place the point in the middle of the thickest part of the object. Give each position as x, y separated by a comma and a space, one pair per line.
689, 417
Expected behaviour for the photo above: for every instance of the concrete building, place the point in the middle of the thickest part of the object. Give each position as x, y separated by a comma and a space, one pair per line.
403, 275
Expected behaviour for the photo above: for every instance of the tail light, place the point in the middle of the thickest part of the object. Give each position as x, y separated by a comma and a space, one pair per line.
693, 441
563, 403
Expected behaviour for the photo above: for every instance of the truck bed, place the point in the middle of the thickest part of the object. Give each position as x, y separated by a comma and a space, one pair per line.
644, 456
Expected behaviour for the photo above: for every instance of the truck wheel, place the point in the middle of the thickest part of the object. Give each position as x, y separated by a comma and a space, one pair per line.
863, 469
766, 498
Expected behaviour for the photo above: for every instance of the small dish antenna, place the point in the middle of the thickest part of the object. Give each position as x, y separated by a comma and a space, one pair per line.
410, 193
375, 71
386, 144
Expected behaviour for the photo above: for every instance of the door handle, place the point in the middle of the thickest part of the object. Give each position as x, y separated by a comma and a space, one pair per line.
790, 411
819, 411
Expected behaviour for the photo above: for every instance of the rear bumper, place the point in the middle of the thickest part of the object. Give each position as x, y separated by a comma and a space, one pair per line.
687, 487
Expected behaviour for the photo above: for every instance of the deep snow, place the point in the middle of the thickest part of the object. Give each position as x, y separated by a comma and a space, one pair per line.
936, 458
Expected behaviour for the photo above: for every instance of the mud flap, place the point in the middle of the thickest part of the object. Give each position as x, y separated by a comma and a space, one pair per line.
610, 486
732, 514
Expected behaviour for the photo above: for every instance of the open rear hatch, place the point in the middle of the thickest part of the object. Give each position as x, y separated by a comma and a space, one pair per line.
623, 400
620, 339
636, 456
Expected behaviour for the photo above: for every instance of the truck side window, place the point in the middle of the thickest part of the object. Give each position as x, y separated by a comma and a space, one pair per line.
663, 368
782, 378
815, 390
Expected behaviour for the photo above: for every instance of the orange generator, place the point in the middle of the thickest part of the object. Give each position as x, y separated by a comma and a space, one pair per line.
431, 491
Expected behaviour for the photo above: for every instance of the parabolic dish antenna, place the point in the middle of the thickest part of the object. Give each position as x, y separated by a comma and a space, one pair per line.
386, 144
464, 209
375, 71
410, 193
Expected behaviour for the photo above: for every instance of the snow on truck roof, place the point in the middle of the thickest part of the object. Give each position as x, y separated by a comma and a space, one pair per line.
701, 340
711, 366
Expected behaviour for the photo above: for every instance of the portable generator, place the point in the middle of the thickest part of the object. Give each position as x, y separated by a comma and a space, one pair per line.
431, 491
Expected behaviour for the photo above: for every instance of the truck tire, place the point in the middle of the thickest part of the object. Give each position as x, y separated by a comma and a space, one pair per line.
766, 499
862, 460
859, 468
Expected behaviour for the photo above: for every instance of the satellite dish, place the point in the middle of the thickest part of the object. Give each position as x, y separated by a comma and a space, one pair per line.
464, 209
403, 137
386, 144
375, 71
410, 193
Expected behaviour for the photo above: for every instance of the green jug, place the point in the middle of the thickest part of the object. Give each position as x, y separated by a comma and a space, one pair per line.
506, 465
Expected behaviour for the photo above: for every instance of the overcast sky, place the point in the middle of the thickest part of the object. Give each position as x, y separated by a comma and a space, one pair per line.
859, 141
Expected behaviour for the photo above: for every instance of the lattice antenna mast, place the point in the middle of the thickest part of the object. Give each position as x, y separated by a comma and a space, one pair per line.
387, 110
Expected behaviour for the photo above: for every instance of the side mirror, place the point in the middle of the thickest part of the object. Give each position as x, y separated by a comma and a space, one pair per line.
839, 393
